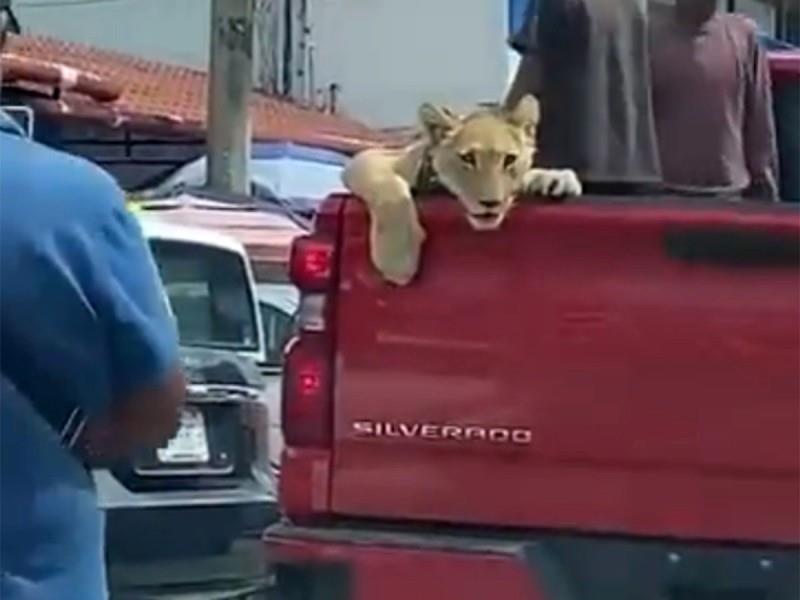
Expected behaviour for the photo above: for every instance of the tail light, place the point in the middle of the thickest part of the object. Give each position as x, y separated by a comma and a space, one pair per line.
307, 393
311, 265
307, 410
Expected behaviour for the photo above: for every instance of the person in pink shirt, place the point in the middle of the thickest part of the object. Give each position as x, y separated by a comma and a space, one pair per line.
712, 102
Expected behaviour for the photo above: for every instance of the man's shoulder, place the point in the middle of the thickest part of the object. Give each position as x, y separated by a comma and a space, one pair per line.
40, 174
738, 24
25, 158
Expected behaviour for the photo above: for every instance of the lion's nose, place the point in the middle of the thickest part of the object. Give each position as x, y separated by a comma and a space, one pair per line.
490, 204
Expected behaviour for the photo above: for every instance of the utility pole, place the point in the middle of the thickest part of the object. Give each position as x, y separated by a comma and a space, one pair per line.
229, 85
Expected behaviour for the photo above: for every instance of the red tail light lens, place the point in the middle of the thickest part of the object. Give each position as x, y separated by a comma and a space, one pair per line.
306, 412
308, 369
311, 264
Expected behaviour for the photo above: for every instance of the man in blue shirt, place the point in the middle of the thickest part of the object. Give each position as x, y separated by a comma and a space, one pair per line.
84, 330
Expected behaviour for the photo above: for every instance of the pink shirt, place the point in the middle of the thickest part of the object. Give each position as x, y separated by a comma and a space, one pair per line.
713, 106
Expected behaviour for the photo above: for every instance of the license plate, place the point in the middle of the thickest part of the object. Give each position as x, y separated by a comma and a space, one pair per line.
190, 444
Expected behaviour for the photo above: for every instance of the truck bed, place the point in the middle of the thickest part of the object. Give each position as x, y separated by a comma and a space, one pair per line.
607, 365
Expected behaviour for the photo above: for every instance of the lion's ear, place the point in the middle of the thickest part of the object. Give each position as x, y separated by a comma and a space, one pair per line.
525, 114
438, 121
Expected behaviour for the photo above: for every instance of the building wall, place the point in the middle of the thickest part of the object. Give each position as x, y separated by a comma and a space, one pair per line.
169, 30
388, 55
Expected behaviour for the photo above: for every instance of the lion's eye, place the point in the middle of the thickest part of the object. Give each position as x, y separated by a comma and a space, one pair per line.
468, 158
509, 160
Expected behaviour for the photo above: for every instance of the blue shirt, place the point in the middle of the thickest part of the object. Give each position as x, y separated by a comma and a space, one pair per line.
82, 322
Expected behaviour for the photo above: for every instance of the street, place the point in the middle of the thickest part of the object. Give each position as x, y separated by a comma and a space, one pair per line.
236, 575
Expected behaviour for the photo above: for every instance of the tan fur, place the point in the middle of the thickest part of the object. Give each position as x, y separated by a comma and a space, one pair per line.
485, 159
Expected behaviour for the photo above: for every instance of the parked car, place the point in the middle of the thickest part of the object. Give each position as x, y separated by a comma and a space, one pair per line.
266, 232
212, 482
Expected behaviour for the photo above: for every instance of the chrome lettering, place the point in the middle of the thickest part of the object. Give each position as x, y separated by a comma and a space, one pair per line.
429, 432
497, 434
519, 436
452, 432
475, 433
390, 430
363, 428
409, 430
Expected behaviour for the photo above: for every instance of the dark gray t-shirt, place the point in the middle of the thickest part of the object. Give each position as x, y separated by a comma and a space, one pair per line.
587, 61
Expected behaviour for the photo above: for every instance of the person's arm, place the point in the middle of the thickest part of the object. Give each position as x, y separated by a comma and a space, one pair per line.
146, 418
525, 42
85, 326
147, 383
526, 81
546, 35
759, 128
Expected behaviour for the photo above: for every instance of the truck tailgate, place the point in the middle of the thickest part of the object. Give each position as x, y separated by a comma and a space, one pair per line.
607, 366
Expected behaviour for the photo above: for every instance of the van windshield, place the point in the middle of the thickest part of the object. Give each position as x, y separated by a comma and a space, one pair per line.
208, 290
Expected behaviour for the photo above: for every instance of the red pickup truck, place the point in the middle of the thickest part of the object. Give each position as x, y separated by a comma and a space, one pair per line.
600, 401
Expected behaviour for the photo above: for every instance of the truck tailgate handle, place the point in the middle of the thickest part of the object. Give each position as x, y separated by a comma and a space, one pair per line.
733, 247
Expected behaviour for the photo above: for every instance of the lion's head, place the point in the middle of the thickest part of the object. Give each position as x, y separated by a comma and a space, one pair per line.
482, 158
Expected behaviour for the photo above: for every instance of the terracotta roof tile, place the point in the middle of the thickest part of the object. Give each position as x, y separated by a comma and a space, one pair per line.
162, 95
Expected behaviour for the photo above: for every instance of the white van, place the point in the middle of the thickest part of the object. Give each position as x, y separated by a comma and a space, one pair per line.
210, 286
213, 481
266, 235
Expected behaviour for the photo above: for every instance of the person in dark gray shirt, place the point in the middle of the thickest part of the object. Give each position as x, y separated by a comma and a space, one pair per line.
587, 62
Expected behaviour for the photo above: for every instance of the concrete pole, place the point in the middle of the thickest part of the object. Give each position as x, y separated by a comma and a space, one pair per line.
229, 85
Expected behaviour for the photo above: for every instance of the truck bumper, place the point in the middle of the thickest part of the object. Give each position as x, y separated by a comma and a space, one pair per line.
317, 564
180, 523
386, 564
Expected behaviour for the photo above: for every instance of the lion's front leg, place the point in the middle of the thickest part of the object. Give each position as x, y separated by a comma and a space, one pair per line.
552, 182
396, 235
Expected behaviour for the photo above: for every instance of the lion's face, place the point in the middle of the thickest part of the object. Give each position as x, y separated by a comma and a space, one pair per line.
482, 158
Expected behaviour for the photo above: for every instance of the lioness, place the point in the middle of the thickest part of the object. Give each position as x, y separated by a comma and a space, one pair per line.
485, 159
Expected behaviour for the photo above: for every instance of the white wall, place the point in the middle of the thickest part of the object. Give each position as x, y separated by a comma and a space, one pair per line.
388, 56
169, 30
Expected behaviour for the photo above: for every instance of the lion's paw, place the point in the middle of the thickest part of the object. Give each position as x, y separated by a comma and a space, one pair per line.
553, 182
396, 252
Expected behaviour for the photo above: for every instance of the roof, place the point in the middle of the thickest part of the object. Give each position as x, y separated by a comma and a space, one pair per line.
118, 88
267, 236
155, 228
